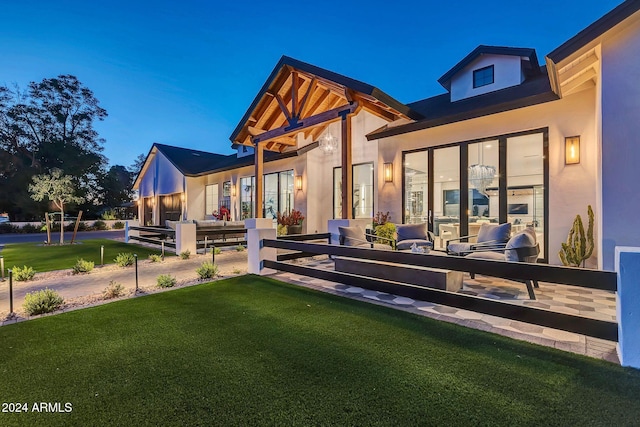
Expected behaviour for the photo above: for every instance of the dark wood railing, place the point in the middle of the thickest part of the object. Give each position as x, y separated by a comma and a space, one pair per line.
594, 279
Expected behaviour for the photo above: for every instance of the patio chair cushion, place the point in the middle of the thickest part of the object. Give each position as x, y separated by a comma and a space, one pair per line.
408, 234
522, 239
459, 248
353, 236
497, 256
494, 232
403, 245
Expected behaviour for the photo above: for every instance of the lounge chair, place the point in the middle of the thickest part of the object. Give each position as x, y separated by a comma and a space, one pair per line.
408, 234
489, 237
355, 236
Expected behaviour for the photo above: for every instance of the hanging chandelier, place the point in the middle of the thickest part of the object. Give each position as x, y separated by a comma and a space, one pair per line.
328, 143
481, 176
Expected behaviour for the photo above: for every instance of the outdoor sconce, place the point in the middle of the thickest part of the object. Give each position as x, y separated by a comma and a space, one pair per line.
233, 190
182, 197
298, 182
572, 150
388, 172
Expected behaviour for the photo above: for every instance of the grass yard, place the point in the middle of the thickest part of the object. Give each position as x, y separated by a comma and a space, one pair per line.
48, 258
254, 351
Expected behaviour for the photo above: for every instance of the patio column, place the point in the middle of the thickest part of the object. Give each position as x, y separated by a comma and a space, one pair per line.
259, 163
627, 263
347, 172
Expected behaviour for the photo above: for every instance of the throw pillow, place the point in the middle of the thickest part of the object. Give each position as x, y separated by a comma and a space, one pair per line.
494, 232
519, 240
411, 231
353, 236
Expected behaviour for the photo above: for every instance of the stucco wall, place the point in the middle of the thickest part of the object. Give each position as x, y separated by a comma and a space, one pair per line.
507, 72
573, 187
620, 139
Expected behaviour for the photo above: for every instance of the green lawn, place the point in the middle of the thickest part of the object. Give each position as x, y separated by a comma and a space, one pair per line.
254, 351
48, 258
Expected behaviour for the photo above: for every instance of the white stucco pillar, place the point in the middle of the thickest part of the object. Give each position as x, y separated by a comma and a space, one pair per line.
185, 237
627, 261
128, 232
258, 223
257, 253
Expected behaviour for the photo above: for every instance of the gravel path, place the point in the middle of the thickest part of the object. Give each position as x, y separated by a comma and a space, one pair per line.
87, 288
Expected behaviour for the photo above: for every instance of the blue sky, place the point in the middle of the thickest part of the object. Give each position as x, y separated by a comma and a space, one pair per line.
184, 72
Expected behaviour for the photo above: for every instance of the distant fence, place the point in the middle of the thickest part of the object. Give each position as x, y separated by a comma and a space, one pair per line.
155, 236
220, 236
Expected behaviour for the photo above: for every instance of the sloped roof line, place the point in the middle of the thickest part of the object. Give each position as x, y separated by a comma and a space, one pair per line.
530, 53
343, 80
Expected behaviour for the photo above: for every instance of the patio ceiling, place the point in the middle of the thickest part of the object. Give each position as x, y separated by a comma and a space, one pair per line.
301, 98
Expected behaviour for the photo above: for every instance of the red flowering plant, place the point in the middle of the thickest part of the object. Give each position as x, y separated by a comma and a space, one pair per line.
295, 217
223, 214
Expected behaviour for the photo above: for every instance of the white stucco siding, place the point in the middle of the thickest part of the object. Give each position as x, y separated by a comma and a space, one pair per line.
620, 139
147, 183
169, 179
507, 73
572, 187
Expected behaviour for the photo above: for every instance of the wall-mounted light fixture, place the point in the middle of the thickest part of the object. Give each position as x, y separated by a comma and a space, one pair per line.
182, 197
233, 190
299, 182
388, 172
572, 150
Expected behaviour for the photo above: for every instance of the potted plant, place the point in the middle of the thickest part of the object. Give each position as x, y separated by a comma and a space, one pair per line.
223, 214
292, 220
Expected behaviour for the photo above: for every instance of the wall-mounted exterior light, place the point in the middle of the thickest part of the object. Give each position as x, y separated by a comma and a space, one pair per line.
299, 182
388, 172
233, 190
572, 150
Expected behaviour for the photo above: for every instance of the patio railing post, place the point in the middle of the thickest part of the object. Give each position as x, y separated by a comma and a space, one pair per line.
136, 260
627, 264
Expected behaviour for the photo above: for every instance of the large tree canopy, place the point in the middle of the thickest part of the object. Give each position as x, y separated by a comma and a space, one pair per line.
47, 126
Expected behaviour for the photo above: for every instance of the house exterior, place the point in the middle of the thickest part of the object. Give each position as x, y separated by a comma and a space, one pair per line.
512, 139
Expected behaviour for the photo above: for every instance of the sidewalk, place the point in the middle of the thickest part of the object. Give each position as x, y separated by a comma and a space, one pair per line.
69, 286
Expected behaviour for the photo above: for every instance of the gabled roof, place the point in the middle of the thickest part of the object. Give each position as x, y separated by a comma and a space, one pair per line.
190, 162
595, 30
532, 69
439, 110
316, 90
197, 163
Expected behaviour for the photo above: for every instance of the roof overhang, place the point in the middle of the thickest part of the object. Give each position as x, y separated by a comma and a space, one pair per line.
297, 94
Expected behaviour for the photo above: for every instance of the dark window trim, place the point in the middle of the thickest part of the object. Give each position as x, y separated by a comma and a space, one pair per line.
502, 166
479, 70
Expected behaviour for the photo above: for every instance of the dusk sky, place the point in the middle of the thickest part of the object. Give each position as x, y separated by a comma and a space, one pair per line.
183, 73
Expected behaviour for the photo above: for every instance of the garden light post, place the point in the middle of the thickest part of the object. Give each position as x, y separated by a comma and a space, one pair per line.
206, 242
102, 255
10, 292
162, 243
136, 258
213, 254
2, 266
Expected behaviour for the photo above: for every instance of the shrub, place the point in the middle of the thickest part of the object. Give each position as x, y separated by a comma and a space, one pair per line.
185, 254
217, 251
113, 290
240, 248
155, 258
23, 274
42, 301
207, 270
119, 225
166, 281
124, 259
282, 230
82, 226
70, 227
5, 228
100, 225
82, 266
386, 230
109, 215
29, 228
236, 270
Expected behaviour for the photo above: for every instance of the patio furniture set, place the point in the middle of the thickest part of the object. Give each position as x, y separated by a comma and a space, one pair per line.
492, 242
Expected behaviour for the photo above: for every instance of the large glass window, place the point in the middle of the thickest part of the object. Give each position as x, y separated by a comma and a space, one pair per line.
525, 184
416, 187
362, 196
483, 197
483, 76
446, 192
211, 199
247, 197
278, 193
363, 190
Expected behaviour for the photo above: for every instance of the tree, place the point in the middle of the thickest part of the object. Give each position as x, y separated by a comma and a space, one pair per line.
137, 165
116, 185
59, 189
47, 126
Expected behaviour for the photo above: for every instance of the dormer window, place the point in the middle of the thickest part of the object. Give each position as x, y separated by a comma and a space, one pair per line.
483, 76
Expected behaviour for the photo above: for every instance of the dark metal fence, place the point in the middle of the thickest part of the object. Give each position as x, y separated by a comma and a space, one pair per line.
594, 279
220, 236
155, 236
